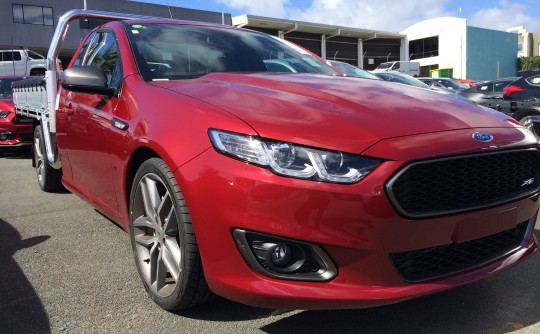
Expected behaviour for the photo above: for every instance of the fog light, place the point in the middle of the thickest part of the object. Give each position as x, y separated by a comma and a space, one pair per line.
6, 135
284, 258
281, 255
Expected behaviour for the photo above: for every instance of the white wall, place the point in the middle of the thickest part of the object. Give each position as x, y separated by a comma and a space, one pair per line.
452, 34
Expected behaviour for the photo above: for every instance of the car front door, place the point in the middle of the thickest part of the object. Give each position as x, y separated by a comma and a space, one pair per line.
87, 124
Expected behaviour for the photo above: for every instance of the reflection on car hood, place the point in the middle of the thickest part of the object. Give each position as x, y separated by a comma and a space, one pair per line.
347, 114
6, 104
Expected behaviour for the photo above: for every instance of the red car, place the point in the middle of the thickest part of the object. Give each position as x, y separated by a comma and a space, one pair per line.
15, 132
285, 190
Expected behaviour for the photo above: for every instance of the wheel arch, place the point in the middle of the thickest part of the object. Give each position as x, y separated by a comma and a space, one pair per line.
37, 71
137, 158
525, 111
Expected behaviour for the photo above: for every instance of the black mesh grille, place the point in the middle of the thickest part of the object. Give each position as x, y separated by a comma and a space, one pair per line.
430, 263
451, 185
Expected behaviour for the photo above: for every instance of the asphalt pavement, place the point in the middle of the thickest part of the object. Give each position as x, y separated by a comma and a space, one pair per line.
64, 268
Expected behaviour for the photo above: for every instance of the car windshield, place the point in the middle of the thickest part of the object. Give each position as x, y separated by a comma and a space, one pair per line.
453, 84
353, 71
5, 87
173, 51
404, 79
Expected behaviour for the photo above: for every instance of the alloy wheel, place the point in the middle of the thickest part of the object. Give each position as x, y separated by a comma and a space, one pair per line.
156, 236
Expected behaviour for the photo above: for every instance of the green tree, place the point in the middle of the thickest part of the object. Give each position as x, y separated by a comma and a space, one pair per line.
528, 63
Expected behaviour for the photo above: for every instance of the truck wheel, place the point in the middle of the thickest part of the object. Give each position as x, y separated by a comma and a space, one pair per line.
163, 240
49, 178
530, 118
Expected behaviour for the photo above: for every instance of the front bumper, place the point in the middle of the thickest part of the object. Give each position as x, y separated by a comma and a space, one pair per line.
20, 134
355, 224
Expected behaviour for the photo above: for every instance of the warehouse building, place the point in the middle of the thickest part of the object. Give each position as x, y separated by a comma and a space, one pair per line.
468, 52
361, 47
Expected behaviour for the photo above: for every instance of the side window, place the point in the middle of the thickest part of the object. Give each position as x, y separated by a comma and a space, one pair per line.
102, 52
8, 56
82, 52
396, 66
499, 86
486, 88
534, 80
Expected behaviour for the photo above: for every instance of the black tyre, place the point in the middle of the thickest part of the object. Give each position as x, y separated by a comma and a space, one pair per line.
163, 239
530, 118
49, 178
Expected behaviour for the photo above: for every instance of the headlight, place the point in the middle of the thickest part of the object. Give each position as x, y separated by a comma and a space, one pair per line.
294, 160
4, 114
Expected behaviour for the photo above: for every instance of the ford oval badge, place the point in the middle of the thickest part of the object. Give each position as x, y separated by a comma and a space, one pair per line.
482, 136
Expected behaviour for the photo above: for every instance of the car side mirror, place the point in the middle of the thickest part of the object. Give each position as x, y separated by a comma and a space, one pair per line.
86, 79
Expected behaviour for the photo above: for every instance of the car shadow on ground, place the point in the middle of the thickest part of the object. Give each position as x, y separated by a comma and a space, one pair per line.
501, 304
19, 154
21, 310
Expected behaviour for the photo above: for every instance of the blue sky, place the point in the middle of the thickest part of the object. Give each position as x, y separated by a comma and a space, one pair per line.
386, 15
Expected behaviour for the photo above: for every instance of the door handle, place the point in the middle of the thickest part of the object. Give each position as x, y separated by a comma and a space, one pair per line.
69, 109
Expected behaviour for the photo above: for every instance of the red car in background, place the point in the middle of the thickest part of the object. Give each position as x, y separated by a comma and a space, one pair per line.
15, 132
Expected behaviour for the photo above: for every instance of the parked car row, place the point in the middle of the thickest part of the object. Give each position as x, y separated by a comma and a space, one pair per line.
518, 97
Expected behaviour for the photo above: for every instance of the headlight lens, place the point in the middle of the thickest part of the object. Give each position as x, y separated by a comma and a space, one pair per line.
4, 114
294, 160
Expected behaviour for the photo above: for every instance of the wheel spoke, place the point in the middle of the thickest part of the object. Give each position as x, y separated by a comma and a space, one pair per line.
150, 196
164, 202
145, 222
160, 273
153, 262
171, 257
37, 148
170, 226
145, 240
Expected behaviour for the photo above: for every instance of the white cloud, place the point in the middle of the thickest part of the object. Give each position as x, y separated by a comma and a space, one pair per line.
505, 15
270, 8
386, 15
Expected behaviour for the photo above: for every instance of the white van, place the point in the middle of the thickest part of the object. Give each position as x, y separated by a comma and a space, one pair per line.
411, 68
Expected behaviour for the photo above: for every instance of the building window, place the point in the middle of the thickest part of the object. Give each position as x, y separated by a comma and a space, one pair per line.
33, 15
424, 48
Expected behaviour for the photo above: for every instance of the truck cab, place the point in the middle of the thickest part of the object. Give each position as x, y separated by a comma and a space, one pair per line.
21, 62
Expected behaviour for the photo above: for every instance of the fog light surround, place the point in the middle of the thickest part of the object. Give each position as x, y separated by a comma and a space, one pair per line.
284, 258
6, 135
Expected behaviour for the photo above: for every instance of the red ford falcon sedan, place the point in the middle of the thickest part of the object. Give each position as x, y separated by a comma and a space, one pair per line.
286, 190
15, 132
